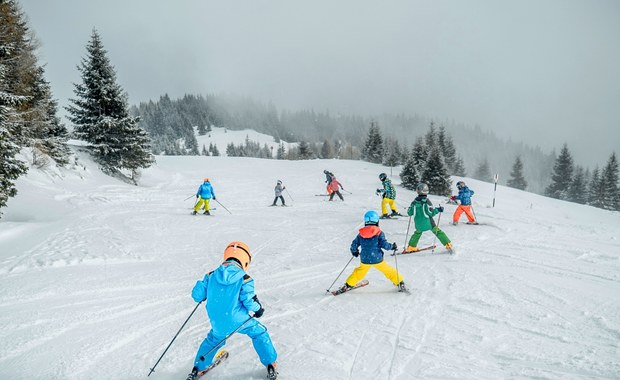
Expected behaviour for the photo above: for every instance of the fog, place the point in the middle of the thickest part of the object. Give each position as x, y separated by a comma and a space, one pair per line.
542, 72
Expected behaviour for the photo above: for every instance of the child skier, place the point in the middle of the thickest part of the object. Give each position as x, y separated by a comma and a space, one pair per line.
335, 187
389, 197
328, 180
464, 197
422, 211
372, 240
204, 194
278, 190
229, 293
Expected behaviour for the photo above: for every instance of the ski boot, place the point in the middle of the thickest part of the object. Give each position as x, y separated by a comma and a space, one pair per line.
455, 223
192, 375
385, 216
272, 374
411, 249
207, 212
396, 213
194, 213
450, 248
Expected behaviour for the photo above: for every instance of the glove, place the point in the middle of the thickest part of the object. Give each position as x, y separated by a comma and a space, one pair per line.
284, 188
214, 198
196, 196
259, 312
356, 253
394, 247
440, 208
453, 198
378, 191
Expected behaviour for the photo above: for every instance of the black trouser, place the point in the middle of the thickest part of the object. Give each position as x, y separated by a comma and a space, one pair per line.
331, 196
276, 199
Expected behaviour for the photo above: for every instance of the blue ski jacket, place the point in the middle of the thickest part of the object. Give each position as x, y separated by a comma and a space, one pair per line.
205, 191
229, 293
372, 240
465, 196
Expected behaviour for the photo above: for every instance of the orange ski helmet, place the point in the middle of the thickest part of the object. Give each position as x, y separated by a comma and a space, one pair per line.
239, 251
206, 179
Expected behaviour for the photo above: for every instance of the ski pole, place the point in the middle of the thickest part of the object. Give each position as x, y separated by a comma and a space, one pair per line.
184, 323
473, 212
188, 197
436, 229
289, 195
407, 234
228, 336
222, 206
396, 262
346, 191
345, 267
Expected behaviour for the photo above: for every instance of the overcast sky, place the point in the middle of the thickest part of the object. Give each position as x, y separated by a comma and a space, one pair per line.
542, 71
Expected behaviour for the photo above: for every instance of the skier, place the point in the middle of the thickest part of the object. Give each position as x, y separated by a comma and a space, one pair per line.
372, 240
335, 187
389, 197
328, 180
229, 293
278, 190
204, 194
422, 211
464, 197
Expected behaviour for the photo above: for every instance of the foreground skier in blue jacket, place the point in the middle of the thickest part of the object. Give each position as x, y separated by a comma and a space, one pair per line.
230, 297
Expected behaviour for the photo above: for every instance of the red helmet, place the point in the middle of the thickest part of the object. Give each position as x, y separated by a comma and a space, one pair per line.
239, 251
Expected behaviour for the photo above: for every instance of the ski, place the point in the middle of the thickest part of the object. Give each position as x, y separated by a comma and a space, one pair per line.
358, 285
272, 374
473, 223
321, 195
219, 358
419, 250
404, 290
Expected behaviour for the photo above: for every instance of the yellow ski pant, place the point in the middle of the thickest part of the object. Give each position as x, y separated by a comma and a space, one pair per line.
388, 202
360, 272
199, 204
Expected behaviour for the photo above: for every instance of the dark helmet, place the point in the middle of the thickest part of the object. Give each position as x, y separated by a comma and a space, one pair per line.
325, 171
371, 218
422, 188
460, 184
279, 182
382, 176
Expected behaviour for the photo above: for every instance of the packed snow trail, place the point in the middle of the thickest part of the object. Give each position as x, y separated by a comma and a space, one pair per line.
96, 275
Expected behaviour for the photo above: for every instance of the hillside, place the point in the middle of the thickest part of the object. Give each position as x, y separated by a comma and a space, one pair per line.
96, 275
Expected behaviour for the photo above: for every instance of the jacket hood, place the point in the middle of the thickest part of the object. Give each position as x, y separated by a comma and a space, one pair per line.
228, 273
369, 231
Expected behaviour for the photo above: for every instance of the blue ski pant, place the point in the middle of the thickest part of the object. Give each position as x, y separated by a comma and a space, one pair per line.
254, 329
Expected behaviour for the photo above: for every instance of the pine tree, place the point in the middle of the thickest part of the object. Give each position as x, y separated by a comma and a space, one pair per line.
447, 149
577, 191
10, 166
517, 180
609, 184
409, 175
597, 190
373, 148
281, 153
204, 151
419, 155
436, 174
327, 151
431, 139
562, 175
305, 153
483, 172
101, 117
392, 154
459, 168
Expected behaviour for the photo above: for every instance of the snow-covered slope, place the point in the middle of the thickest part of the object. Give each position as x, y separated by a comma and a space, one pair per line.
95, 279
221, 137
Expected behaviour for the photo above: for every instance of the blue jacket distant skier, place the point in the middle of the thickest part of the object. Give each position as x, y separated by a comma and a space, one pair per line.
230, 297
464, 196
203, 195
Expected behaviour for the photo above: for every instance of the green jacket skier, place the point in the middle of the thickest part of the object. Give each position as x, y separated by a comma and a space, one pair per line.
422, 211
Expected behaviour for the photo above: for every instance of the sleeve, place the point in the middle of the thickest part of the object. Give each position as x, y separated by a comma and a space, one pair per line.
213, 191
411, 209
198, 191
355, 244
199, 293
383, 243
471, 192
432, 211
246, 296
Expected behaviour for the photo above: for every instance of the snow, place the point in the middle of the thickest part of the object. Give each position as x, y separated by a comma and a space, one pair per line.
221, 137
96, 275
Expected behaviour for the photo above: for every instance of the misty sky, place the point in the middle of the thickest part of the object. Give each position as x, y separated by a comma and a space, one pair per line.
545, 72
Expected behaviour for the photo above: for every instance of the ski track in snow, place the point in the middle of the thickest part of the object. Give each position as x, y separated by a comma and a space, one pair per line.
96, 275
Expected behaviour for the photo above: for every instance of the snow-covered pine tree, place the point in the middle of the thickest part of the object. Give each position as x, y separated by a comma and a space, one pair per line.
327, 150
436, 174
431, 138
459, 168
204, 150
392, 153
483, 172
517, 180
373, 147
305, 153
562, 175
596, 189
609, 184
447, 149
577, 191
10, 166
419, 154
101, 116
281, 153
409, 175
214, 152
